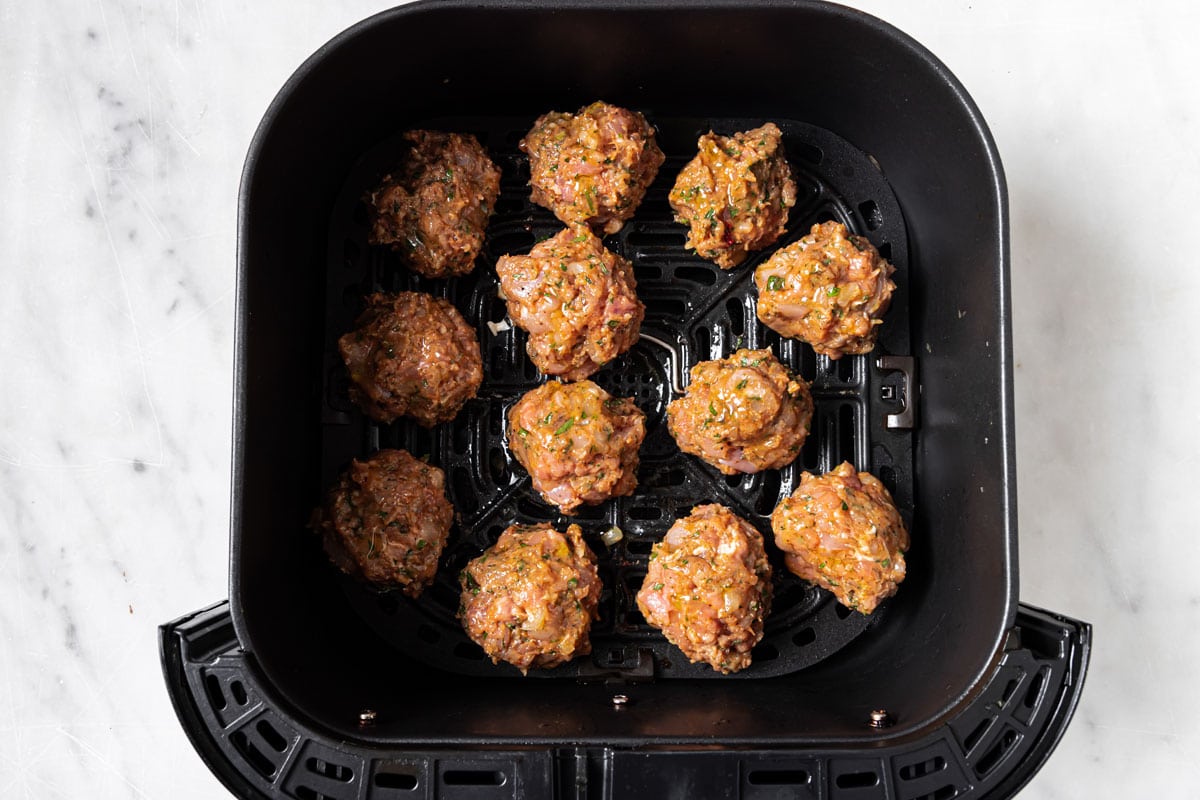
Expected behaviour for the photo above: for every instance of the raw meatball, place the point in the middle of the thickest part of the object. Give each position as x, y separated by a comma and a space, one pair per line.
577, 299
411, 355
842, 532
735, 194
592, 167
579, 443
531, 598
829, 289
386, 521
744, 413
709, 587
434, 208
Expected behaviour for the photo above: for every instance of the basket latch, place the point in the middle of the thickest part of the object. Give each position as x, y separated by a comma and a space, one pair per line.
906, 394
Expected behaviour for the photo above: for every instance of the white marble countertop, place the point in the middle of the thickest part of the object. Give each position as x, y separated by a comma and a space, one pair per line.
122, 132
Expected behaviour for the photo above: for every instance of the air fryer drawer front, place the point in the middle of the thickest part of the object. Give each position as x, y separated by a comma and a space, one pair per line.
988, 747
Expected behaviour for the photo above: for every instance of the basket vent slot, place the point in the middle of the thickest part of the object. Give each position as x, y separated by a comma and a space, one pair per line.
639, 547
401, 781
872, 217
779, 777
328, 769
272, 737
765, 651
997, 752
809, 152
1033, 695
473, 777
253, 755
212, 687
804, 637
645, 512
857, 780
737, 316
922, 768
1009, 691
976, 735
703, 343
768, 495
847, 434
701, 275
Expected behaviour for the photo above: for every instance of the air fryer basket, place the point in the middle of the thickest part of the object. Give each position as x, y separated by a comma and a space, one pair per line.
308, 685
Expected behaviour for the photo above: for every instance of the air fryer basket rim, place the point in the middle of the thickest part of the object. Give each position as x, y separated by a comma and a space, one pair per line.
262, 135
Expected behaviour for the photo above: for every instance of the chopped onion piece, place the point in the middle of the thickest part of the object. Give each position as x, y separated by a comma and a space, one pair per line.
499, 327
612, 536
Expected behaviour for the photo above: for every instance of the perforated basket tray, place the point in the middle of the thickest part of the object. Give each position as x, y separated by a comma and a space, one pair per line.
694, 311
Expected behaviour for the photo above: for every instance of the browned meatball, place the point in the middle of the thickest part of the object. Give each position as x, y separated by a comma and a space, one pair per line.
411, 355
531, 598
709, 587
735, 194
577, 299
830, 289
579, 443
744, 413
593, 166
386, 521
842, 532
434, 208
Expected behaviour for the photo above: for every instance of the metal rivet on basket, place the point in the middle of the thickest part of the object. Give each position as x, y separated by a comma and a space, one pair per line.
880, 718
366, 716
620, 700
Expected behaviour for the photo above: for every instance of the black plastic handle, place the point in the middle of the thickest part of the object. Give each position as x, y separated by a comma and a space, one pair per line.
989, 748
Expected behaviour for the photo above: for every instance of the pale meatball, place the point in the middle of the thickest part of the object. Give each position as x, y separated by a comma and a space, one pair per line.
592, 167
433, 209
386, 521
708, 588
744, 413
531, 598
735, 194
842, 532
830, 289
411, 355
579, 443
577, 300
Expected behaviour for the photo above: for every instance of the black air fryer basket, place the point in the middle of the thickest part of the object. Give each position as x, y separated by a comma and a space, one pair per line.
307, 685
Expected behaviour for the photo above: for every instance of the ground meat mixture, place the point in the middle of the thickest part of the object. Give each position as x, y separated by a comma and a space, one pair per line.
708, 587
842, 532
744, 413
411, 355
735, 194
531, 598
830, 289
579, 443
577, 300
592, 167
434, 208
386, 521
